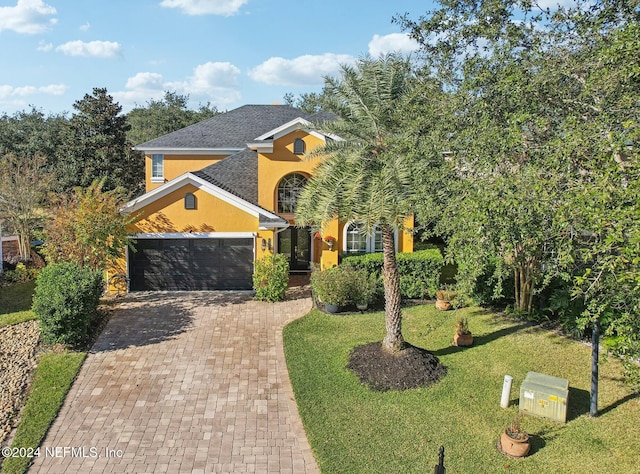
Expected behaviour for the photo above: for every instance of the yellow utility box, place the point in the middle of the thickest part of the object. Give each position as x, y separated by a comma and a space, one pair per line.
544, 396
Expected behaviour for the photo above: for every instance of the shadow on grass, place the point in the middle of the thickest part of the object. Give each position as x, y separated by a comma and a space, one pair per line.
537, 443
615, 405
481, 340
578, 403
16, 297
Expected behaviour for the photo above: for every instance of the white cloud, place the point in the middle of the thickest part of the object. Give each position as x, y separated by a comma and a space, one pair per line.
554, 4
145, 80
211, 82
28, 17
8, 92
205, 7
392, 43
85, 27
46, 47
98, 49
304, 70
217, 82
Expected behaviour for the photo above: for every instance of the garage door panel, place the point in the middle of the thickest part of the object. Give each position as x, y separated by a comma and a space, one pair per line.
191, 264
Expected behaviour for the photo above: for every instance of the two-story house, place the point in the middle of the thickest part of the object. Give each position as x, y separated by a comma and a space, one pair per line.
222, 193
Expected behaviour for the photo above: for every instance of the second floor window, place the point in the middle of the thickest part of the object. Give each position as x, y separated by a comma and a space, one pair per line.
157, 167
298, 146
288, 190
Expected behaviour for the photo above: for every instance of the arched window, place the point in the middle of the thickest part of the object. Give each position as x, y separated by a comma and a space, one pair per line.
298, 146
189, 201
288, 190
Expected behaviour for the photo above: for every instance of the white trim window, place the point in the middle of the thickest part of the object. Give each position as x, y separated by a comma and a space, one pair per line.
357, 241
157, 168
289, 189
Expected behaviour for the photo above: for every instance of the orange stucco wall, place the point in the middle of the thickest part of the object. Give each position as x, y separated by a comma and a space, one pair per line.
272, 167
176, 165
212, 214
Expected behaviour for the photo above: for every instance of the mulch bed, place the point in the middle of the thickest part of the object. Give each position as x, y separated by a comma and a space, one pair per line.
381, 370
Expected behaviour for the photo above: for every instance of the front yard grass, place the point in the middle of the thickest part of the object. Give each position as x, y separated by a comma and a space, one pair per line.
355, 430
52, 379
15, 303
51, 382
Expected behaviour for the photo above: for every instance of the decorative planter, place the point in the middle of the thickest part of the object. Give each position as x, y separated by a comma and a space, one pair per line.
443, 305
463, 339
362, 306
332, 308
514, 447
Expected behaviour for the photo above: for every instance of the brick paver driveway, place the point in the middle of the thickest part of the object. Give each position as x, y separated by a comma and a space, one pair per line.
184, 382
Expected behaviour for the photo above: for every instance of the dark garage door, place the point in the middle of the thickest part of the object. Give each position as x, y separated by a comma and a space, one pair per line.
191, 264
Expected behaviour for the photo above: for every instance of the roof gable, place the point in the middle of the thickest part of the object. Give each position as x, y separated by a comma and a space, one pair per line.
229, 131
266, 218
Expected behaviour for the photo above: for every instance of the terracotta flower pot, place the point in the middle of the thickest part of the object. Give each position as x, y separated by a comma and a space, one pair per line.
443, 305
517, 448
463, 339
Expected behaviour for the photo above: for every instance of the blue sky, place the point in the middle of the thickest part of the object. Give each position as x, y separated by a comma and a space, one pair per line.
226, 52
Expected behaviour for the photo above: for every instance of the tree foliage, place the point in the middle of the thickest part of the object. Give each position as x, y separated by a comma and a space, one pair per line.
544, 140
160, 117
87, 227
30, 133
365, 176
95, 146
24, 183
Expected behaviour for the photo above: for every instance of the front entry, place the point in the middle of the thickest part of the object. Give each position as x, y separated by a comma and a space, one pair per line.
295, 244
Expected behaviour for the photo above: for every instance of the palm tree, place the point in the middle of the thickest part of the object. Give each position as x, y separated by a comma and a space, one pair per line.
364, 175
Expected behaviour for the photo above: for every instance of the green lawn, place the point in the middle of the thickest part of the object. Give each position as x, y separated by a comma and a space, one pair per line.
15, 303
354, 430
52, 378
51, 382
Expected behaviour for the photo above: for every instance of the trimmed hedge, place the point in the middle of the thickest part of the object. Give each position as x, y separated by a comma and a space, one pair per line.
66, 299
419, 271
271, 278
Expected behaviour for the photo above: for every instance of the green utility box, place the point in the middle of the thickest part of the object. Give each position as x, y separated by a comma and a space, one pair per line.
545, 396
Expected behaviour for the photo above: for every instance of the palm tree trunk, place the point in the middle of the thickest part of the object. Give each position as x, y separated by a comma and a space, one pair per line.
393, 341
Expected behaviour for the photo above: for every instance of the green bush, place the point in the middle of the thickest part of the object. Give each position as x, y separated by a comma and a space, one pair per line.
271, 278
331, 286
344, 285
419, 271
65, 300
21, 274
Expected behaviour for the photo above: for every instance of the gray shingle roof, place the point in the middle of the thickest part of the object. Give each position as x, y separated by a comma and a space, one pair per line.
237, 174
233, 129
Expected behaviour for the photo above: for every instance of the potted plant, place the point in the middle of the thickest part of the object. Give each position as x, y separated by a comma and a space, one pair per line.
330, 240
514, 441
330, 287
364, 287
443, 299
463, 336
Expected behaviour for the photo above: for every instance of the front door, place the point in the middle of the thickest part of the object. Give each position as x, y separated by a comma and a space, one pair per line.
295, 244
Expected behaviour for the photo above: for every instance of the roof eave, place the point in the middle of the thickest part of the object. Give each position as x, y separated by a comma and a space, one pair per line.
186, 150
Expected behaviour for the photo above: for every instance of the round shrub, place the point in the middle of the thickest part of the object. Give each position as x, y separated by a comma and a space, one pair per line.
271, 277
65, 300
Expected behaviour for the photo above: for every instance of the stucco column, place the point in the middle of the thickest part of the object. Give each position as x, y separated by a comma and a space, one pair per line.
329, 258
